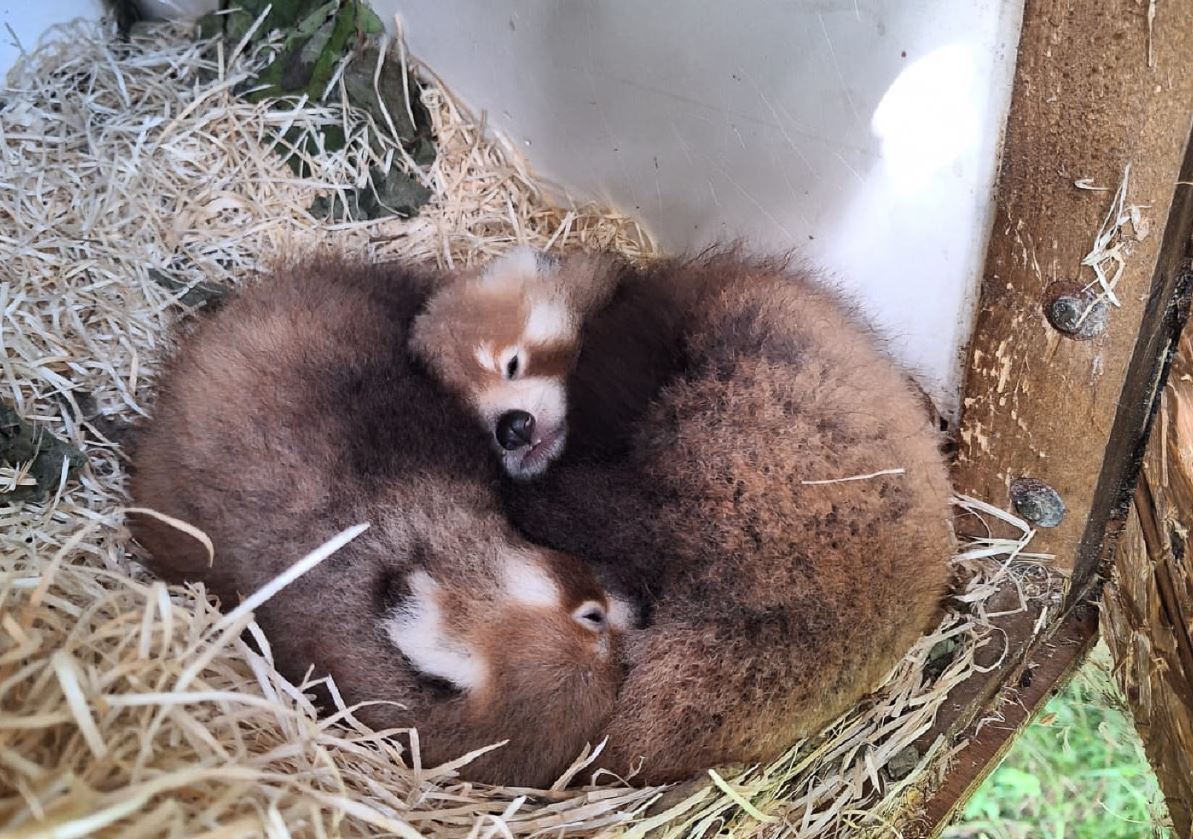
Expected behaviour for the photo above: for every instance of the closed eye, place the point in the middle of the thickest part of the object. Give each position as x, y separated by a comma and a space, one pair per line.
592, 616
438, 686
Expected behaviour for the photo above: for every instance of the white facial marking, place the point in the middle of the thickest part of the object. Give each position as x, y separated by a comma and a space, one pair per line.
529, 583
416, 628
621, 613
485, 358
549, 322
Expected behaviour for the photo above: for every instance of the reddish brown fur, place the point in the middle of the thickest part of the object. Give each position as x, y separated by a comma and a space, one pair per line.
463, 321
296, 411
706, 392
493, 312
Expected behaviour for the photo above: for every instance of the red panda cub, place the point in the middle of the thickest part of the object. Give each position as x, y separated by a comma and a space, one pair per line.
723, 416
297, 410
505, 340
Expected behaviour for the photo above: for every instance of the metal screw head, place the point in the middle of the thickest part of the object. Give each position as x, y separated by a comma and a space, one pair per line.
1037, 502
1075, 312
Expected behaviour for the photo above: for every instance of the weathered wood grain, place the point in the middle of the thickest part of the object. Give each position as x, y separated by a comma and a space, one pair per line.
1072, 413
1097, 90
1028, 685
1148, 606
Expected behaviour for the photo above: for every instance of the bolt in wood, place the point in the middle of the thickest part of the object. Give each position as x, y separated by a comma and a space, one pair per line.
1037, 502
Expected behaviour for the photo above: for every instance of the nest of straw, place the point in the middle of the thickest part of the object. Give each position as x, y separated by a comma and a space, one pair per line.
133, 709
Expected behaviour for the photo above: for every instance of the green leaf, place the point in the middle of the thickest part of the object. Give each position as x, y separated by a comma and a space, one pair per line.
388, 194
317, 36
22, 443
369, 23
358, 81
210, 25
334, 50
314, 21
197, 294
238, 23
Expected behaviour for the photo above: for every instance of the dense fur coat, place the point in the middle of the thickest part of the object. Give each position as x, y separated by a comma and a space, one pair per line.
707, 393
297, 411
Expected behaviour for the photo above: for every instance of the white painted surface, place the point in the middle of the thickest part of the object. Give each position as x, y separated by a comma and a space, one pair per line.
23, 23
864, 133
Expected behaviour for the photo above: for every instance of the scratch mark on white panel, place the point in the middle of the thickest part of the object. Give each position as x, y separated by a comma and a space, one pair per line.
590, 77
795, 190
740, 139
841, 158
780, 165
713, 190
840, 76
613, 145
778, 120
683, 144
787, 116
692, 104
749, 197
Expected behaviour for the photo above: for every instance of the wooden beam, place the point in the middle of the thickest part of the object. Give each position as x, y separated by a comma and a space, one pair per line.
1098, 88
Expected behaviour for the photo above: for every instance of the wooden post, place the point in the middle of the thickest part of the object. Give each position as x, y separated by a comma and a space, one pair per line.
1101, 90
1099, 87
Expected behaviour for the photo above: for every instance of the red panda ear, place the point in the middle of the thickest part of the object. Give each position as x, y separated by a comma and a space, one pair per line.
588, 279
421, 340
516, 264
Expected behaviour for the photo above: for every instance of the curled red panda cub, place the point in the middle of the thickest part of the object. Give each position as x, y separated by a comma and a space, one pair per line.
724, 414
505, 340
295, 411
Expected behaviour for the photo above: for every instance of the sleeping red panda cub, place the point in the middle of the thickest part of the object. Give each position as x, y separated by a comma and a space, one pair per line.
714, 409
505, 340
297, 410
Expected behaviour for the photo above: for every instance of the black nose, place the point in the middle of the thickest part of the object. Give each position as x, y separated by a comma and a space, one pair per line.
515, 429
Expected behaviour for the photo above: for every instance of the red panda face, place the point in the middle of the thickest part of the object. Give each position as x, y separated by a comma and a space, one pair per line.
505, 341
541, 617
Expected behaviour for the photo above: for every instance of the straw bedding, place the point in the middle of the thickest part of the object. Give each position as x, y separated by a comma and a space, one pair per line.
131, 709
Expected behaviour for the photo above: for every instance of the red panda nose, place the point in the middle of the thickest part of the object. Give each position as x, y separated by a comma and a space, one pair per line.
515, 429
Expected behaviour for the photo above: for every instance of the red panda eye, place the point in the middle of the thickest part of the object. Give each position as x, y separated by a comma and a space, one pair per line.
593, 616
511, 368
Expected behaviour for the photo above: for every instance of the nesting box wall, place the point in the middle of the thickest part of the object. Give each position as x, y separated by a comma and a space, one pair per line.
864, 133
24, 24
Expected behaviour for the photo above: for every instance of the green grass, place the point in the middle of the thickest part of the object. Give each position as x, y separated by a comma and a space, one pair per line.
1077, 772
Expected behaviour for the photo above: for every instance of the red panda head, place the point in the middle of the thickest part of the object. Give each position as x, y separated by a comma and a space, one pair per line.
541, 626
505, 340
